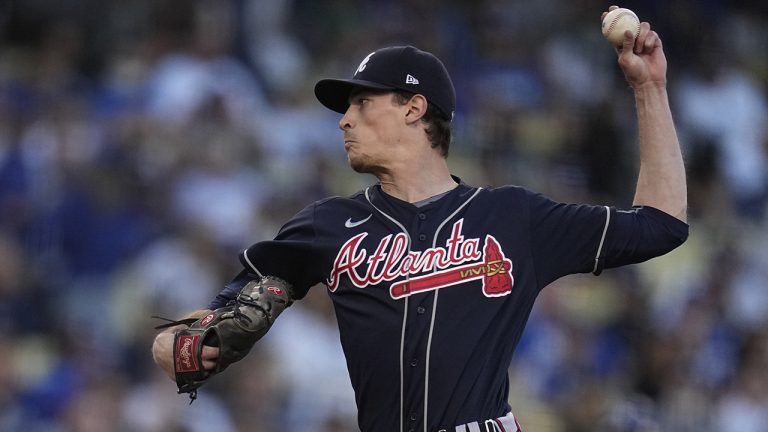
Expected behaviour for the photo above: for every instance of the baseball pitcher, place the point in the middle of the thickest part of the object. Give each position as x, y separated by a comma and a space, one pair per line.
432, 279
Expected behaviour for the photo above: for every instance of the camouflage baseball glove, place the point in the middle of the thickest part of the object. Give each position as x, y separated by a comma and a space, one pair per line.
234, 329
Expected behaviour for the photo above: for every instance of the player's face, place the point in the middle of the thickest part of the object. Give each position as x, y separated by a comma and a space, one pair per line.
371, 125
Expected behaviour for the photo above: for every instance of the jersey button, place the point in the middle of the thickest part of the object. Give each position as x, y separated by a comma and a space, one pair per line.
412, 417
420, 310
422, 216
414, 362
422, 237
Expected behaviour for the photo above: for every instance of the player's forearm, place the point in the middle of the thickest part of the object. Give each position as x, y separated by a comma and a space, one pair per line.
661, 180
162, 347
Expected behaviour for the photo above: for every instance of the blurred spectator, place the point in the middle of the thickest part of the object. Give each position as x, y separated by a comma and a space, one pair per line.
722, 105
203, 69
744, 407
147, 407
313, 371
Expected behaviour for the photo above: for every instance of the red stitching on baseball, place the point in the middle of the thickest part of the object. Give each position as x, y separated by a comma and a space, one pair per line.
616, 19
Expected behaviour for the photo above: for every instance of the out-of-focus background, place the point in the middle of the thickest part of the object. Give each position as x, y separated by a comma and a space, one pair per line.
144, 143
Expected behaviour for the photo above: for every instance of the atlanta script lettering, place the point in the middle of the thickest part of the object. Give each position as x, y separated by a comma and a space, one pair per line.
392, 259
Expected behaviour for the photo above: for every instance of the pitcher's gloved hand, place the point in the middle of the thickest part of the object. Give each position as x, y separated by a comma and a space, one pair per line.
233, 329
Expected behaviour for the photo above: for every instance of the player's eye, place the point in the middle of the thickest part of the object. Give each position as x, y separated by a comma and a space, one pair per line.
360, 99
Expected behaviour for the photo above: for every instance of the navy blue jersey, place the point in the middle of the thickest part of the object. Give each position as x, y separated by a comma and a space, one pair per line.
431, 301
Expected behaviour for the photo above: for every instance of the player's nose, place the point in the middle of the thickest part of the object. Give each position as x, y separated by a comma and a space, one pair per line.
346, 121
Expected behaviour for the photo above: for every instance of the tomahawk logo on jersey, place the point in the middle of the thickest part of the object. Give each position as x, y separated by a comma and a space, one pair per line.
453, 280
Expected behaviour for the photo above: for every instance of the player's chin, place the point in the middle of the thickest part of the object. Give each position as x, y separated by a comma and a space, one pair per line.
359, 165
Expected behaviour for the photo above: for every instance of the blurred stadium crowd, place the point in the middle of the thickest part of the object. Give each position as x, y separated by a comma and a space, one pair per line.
144, 143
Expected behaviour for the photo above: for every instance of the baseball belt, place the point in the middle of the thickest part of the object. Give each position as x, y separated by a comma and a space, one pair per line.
508, 423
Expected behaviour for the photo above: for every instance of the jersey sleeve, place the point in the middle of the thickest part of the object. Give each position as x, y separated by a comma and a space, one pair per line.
564, 238
231, 289
578, 238
295, 255
638, 235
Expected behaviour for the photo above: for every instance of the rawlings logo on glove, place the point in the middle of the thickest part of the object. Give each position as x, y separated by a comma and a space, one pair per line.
185, 346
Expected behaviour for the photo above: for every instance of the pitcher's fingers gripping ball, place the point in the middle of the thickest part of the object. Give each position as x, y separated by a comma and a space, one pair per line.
234, 329
616, 22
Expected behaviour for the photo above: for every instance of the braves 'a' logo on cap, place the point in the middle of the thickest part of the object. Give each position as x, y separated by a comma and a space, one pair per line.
364, 63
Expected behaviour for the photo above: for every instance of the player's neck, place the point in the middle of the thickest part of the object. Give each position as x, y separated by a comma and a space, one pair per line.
415, 182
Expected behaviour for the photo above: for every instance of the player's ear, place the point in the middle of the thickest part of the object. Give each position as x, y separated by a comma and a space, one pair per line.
417, 108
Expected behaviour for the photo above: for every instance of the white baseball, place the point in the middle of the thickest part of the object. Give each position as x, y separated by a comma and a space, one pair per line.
616, 22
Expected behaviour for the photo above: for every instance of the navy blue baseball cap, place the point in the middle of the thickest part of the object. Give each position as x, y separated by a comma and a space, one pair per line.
394, 68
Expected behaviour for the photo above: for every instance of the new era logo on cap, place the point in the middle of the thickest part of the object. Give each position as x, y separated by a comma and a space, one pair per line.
394, 68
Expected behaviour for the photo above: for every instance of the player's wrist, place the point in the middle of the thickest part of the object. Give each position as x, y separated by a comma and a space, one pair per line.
650, 86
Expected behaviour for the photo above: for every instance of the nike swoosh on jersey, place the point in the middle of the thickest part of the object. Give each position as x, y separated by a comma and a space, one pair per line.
350, 224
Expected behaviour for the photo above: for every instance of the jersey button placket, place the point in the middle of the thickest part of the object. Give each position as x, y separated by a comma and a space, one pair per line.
422, 217
416, 325
412, 417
